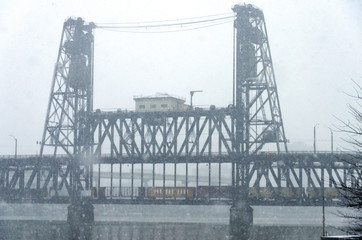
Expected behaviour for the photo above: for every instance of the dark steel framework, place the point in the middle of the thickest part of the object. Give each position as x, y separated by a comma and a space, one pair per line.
259, 118
306, 177
71, 91
65, 131
80, 141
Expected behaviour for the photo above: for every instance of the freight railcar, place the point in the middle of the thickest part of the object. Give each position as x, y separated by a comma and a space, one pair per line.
214, 192
317, 193
170, 192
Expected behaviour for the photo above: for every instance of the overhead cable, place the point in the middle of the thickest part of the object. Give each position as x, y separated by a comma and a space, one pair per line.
181, 29
148, 26
160, 21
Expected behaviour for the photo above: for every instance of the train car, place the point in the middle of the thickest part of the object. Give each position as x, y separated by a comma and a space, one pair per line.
101, 193
170, 192
261, 193
86, 194
317, 193
121, 192
214, 192
290, 193
94, 192
62, 193
35, 194
271, 194
331, 193
128, 192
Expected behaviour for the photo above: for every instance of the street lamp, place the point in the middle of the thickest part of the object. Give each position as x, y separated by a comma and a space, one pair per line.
314, 142
192, 94
330, 129
38, 143
16, 145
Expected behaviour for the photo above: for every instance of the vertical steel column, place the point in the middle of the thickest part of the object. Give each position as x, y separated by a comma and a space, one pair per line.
99, 178
132, 178
164, 181
197, 178
187, 154
120, 178
153, 174
111, 190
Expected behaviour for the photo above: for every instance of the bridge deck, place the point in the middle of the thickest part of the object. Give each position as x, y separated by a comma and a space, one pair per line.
296, 179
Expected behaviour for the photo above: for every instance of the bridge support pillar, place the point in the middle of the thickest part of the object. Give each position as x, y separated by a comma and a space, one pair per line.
241, 220
80, 220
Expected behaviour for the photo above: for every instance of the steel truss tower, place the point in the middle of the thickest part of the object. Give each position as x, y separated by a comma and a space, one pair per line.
259, 119
65, 130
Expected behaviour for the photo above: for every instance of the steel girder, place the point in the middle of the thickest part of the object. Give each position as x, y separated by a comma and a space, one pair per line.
161, 134
306, 176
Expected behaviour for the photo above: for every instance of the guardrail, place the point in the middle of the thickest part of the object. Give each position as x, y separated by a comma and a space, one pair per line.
108, 155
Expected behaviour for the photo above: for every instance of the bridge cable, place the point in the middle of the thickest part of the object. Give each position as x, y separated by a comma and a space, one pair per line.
169, 20
167, 31
166, 27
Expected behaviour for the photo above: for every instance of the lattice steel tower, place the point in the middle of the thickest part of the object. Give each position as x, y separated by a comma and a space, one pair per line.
65, 131
259, 118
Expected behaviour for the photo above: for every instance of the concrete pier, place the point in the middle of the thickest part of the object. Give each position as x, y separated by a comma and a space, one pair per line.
241, 220
80, 220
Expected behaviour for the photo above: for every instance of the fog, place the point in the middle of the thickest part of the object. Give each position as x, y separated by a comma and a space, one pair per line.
313, 45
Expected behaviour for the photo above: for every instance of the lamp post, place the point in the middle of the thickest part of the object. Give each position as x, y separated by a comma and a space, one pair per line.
192, 94
314, 142
323, 210
16, 145
38, 143
330, 129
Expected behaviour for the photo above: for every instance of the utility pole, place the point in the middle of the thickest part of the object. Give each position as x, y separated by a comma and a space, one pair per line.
192, 94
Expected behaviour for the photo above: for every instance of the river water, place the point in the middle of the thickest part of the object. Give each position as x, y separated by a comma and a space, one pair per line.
32, 221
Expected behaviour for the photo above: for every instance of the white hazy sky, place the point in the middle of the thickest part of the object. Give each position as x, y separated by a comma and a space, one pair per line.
315, 45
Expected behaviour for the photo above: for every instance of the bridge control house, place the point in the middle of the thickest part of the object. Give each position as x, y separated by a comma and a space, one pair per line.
160, 102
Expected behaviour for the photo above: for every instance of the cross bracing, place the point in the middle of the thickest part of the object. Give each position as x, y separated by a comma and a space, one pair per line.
152, 134
305, 176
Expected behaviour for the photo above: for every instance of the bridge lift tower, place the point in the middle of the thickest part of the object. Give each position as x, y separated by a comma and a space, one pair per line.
258, 118
65, 130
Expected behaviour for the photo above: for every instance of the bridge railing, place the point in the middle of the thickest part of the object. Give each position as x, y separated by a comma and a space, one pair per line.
108, 155
29, 156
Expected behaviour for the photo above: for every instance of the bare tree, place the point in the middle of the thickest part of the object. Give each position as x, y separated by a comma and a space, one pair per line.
352, 190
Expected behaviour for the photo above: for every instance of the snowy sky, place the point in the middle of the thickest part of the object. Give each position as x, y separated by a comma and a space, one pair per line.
315, 45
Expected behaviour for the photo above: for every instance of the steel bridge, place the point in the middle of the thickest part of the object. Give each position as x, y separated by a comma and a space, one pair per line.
295, 179
196, 156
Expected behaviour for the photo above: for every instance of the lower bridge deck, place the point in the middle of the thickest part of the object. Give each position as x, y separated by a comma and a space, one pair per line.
293, 179
202, 195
